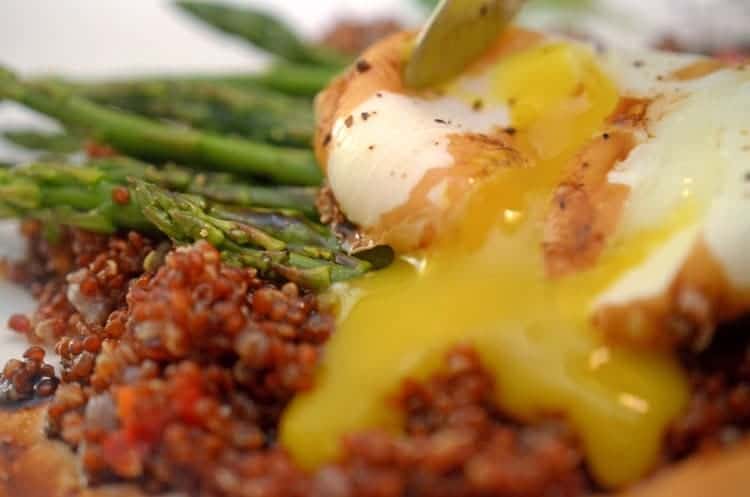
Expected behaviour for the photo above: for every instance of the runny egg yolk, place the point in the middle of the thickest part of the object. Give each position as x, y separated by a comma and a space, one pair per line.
484, 284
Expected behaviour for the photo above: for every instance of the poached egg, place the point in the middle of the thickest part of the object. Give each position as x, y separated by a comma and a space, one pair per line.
565, 211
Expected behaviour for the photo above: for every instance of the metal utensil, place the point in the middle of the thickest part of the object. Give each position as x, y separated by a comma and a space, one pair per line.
457, 32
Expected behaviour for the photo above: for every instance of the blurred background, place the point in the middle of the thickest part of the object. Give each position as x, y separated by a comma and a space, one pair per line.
110, 38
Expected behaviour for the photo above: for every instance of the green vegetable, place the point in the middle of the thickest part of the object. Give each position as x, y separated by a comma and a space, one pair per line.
61, 143
185, 218
287, 226
148, 139
257, 114
98, 198
281, 77
264, 31
302, 80
216, 187
294, 79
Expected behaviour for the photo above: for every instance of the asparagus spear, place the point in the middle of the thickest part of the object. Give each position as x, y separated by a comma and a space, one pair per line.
147, 139
294, 79
215, 187
288, 226
87, 187
301, 199
262, 30
282, 77
87, 198
64, 195
185, 218
56, 143
256, 114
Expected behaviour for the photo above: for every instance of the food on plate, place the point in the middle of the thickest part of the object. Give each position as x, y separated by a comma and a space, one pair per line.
52, 142
552, 201
116, 194
145, 138
565, 315
254, 113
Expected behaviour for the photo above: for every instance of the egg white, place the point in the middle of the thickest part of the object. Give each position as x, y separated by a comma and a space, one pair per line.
696, 151
376, 161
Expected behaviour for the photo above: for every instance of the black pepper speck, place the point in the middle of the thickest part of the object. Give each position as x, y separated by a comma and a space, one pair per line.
363, 66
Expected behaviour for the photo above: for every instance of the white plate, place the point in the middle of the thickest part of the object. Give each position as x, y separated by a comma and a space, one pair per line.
109, 38
12, 299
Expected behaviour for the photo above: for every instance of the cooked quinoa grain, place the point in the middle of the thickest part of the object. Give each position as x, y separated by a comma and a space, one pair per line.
176, 368
27, 379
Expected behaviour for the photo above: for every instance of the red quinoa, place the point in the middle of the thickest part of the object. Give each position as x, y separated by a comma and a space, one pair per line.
27, 379
120, 195
457, 443
175, 379
19, 323
199, 350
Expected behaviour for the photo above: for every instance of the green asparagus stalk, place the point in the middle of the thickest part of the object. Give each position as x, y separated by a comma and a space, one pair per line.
87, 187
282, 77
301, 199
294, 229
86, 197
294, 79
263, 31
60, 143
287, 226
148, 139
256, 114
300, 80
186, 218
64, 195
216, 187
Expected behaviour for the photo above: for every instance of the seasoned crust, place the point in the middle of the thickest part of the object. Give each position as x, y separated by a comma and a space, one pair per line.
31, 465
585, 207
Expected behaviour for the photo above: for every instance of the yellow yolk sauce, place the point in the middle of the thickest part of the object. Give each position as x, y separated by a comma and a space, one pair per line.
484, 284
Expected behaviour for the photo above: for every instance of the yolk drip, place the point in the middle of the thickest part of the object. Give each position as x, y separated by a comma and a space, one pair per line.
484, 284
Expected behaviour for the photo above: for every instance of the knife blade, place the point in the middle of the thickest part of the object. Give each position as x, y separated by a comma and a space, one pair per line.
457, 33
